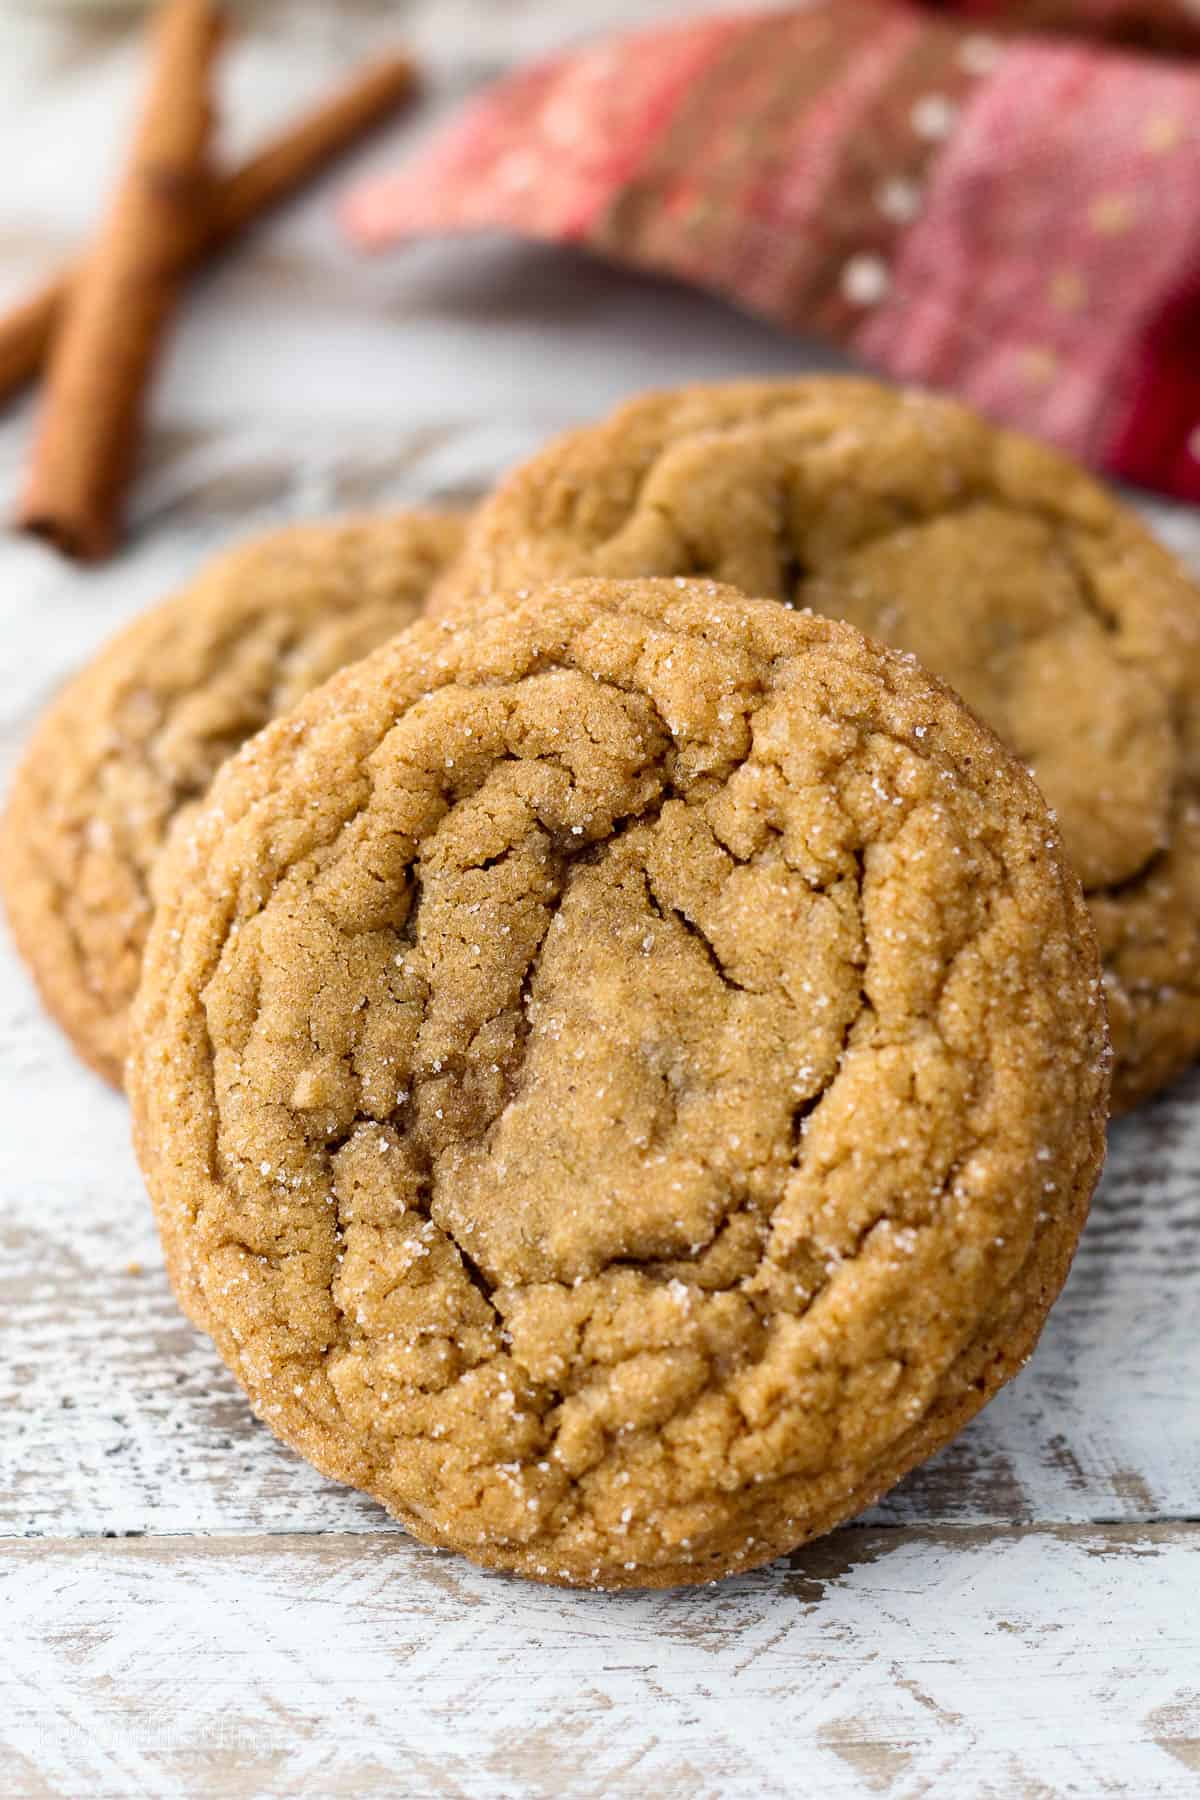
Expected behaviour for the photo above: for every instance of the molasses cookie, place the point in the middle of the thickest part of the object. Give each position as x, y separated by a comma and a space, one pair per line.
1009, 572
621, 1082
137, 736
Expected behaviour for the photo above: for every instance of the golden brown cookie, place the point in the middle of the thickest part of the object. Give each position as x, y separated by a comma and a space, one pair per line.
1008, 571
621, 1083
136, 737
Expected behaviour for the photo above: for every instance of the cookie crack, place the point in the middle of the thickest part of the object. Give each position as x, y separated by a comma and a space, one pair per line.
476, 1277
666, 911
1084, 582
1140, 878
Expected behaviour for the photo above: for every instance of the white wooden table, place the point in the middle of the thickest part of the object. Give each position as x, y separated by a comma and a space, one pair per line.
188, 1609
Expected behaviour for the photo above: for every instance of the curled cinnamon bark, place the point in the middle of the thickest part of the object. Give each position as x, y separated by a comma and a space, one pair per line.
122, 300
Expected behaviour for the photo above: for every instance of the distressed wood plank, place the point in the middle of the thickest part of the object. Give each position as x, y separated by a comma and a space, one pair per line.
931, 1662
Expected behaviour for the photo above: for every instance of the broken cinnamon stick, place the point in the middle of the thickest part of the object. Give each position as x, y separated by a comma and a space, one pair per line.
122, 300
26, 331
265, 180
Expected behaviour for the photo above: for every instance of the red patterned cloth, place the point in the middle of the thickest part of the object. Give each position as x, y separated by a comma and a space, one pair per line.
1015, 217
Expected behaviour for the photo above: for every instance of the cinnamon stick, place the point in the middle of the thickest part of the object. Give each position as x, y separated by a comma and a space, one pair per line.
122, 301
26, 332
265, 180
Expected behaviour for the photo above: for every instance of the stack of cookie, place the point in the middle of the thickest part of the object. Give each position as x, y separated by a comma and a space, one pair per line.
621, 1068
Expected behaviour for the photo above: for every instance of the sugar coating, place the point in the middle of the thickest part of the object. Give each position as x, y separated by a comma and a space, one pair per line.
621, 1082
1010, 573
134, 740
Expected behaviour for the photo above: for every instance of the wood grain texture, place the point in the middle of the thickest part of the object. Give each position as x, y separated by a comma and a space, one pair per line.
932, 1663
985, 1631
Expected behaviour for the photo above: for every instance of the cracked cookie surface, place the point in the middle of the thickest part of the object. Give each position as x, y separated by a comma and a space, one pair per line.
621, 1082
135, 738
1009, 572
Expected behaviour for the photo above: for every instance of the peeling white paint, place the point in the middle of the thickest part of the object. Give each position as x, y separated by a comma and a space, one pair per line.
930, 1663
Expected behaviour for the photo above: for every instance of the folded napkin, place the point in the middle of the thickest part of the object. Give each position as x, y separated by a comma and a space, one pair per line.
1012, 215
